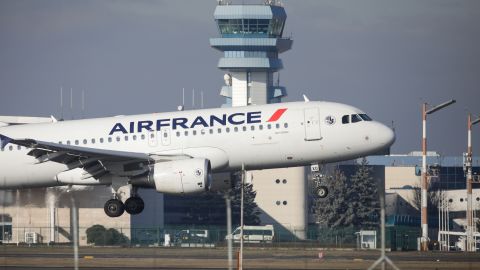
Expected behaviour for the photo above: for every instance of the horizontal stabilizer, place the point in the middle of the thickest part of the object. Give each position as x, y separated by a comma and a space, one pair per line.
23, 120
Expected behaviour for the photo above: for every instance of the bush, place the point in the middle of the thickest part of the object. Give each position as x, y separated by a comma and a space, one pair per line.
99, 235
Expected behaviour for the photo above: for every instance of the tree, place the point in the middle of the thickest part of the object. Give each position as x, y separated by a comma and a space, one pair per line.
365, 196
353, 202
250, 207
99, 235
335, 211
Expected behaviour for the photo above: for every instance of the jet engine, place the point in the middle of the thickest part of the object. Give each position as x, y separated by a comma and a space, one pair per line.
185, 176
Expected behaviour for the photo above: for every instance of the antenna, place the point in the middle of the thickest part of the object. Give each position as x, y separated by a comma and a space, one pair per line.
182, 107
71, 103
83, 103
61, 103
201, 99
193, 98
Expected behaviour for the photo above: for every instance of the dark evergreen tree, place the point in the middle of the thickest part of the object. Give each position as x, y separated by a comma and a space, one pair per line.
353, 202
335, 210
365, 197
250, 208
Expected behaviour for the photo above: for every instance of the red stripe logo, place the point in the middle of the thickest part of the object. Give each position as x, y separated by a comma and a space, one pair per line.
276, 115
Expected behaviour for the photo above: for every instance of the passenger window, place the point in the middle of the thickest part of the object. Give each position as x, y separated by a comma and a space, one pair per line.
227, 129
10, 148
277, 125
134, 137
285, 125
235, 129
219, 130
365, 117
76, 142
260, 127
252, 127
109, 139
269, 126
193, 132
142, 137
211, 131
345, 119
186, 132
93, 141
356, 118
152, 135
178, 133
101, 140
68, 142
126, 138
202, 131
19, 147
84, 141
244, 128
118, 139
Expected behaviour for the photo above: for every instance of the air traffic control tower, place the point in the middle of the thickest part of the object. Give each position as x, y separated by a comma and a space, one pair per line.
251, 40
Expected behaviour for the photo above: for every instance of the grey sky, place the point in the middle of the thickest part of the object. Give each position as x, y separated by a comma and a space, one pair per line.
385, 57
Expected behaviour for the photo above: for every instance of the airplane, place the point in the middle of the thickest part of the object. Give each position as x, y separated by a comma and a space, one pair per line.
177, 152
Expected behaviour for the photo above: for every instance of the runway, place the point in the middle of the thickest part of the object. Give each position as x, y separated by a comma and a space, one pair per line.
12, 257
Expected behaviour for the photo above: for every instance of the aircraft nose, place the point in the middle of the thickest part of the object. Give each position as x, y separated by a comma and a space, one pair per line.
386, 136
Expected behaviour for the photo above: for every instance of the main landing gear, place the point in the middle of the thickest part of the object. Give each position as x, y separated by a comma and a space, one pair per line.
133, 205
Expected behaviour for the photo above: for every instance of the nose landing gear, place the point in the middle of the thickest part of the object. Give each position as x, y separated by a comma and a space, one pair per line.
322, 192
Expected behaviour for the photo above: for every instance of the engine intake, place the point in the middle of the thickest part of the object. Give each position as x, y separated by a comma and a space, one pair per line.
186, 176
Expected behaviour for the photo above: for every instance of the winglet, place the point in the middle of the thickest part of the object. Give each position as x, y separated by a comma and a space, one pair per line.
4, 140
306, 98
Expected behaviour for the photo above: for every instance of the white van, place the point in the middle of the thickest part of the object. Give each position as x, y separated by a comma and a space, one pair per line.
253, 234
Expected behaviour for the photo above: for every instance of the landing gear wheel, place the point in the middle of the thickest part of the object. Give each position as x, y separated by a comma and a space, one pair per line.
134, 205
114, 208
322, 192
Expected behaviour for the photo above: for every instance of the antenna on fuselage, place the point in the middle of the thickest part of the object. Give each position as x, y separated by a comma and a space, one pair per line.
306, 98
181, 107
201, 99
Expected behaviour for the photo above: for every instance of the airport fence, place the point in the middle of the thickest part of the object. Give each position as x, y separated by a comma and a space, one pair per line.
398, 238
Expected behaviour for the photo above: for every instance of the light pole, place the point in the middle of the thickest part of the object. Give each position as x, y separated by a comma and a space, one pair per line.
425, 111
468, 167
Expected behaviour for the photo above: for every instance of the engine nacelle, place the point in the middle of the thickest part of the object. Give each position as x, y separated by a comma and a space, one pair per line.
185, 176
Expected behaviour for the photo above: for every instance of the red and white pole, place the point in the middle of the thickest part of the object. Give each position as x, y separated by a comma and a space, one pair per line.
470, 228
424, 239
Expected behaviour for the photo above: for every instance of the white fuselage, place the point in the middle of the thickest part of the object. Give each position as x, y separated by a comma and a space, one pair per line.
304, 133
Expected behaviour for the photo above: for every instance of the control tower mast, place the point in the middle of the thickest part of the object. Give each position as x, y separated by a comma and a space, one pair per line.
251, 37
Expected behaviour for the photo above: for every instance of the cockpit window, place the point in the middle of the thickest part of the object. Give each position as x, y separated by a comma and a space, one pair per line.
365, 117
356, 118
345, 119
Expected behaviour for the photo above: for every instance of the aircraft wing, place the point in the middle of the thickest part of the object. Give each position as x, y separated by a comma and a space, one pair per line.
90, 159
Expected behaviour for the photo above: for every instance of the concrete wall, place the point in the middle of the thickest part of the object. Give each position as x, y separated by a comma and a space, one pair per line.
283, 204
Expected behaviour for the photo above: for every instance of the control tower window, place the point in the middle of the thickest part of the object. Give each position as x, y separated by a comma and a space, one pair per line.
255, 27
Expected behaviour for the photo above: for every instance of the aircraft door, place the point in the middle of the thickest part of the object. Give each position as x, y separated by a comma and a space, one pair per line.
312, 124
152, 138
165, 136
